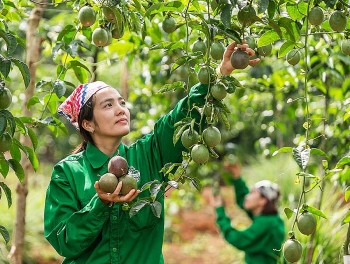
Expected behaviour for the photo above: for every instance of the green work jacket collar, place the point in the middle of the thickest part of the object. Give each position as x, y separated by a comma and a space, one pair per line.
97, 158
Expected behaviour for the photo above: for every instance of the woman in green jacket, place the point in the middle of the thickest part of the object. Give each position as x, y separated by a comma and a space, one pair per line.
263, 239
85, 224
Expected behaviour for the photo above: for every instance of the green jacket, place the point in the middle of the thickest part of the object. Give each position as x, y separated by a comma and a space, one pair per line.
82, 228
262, 240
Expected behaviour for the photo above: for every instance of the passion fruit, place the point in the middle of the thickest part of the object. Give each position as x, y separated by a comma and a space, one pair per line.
129, 183
118, 166
108, 182
239, 59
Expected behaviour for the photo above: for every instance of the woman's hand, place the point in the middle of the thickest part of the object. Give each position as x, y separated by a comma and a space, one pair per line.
226, 67
234, 169
114, 197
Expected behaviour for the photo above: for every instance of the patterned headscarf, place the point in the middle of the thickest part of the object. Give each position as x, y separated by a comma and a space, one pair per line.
268, 189
71, 107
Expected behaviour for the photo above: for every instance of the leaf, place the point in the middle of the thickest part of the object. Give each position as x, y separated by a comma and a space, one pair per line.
288, 212
3, 124
60, 88
33, 137
285, 48
196, 183
346, 218
10, 120
5, 234
7, 191
33, 101
17, 167
173, 184
155, 188
147, 185
178, 133
14, 150
282, 150
80, 70
4, 166
263, 5
172, 87
5, 66
347, 194
23, 68
156, 208
315, 211
267, 38
226, 15
31, 156
318, 152
136, 207
10, 40
343, 161
291, 27
301, 156
67, 34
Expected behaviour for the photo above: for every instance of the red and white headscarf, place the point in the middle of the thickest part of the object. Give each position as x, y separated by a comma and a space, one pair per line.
71, 107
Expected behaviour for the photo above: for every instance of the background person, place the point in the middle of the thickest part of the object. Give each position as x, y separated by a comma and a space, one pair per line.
85, 224
263, 239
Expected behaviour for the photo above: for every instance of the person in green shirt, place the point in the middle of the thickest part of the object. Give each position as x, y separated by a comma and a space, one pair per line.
85, 224
263, 239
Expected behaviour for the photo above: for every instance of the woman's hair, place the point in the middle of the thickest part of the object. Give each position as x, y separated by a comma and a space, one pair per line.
86, 113
270, 206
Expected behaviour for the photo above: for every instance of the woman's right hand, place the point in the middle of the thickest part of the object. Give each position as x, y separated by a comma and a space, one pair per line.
234, 169
108, 198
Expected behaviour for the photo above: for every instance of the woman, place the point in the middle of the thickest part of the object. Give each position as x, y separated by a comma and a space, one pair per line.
263, 239
85, 224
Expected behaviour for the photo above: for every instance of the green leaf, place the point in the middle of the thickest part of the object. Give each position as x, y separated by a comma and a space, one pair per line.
20, 125
343, 161
156, 208
347, 194
318, 152
346, 218
301, 155
267, 38
196, 183
4, 166
60, 88
178, 133
17, 167
294, 10
136, 207
155, 188
14, 150
283, 150
262, 6
5, 66
226, 15
173, 184
10, 120
316, 211
10, 40
33, 137
288, 212
23, 68
5, 234
147, 185
67, 34
175, 6
80, 70
33, 101
291, 27
8, 195
31, 155
172, 87
271, 10
3, 124
286, 46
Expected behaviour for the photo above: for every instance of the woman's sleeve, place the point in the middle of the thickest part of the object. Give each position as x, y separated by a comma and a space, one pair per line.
164, 128
245, 239
69, 228
241, 190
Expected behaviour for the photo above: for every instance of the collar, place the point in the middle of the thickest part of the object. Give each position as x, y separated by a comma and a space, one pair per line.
97, 158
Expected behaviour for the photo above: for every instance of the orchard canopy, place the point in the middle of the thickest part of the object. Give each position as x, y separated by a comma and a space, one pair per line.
294, 102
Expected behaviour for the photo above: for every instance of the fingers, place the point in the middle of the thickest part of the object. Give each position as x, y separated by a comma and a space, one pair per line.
254, 62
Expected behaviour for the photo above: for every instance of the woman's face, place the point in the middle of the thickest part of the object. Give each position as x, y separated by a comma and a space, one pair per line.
253, 200
111, 117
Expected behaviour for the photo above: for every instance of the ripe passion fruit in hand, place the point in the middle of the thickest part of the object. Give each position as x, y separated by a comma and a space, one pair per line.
108, 182
129, 183
239, 59
118, 166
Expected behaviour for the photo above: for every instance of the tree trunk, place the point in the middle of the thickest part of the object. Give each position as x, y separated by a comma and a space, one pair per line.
33, 45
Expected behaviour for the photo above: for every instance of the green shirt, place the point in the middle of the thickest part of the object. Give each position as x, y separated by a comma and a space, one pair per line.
85, 230
262, 240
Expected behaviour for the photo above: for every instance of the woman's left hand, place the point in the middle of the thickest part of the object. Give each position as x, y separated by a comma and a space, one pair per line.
114, 197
